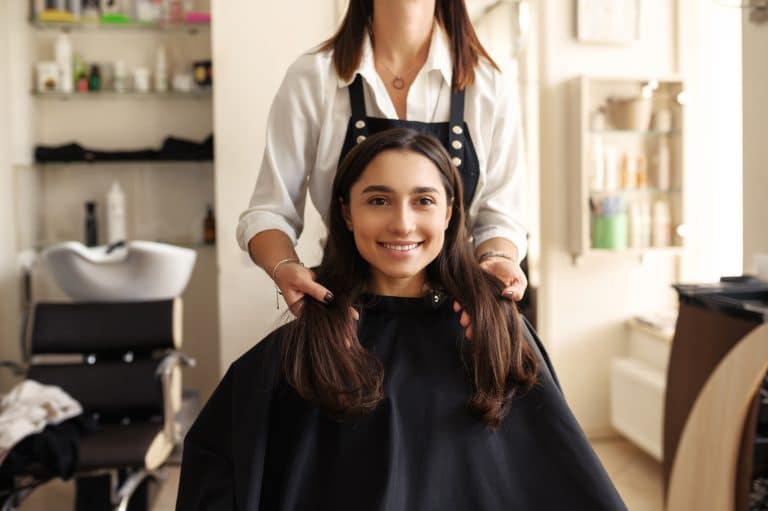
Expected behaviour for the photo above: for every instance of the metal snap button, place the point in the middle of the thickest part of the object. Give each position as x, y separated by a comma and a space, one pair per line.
457, 129
456, 144
360, 124
360, 138
456, 161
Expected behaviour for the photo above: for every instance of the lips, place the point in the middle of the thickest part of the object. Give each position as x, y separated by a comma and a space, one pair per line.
401, 246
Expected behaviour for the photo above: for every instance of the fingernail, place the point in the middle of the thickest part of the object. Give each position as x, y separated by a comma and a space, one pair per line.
328, 297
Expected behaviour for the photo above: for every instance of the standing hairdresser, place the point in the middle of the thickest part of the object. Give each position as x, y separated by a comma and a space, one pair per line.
392, 63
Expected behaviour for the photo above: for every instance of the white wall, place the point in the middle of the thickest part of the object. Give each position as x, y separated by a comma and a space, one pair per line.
253, 44
755, 43
583, 307
9, 288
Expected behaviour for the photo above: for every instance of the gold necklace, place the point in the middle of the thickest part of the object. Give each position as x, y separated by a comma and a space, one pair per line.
397, 82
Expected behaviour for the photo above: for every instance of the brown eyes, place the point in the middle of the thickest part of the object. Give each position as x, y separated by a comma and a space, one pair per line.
421, 201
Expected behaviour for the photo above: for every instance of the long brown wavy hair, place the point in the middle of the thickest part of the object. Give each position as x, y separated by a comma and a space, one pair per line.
452, 15
323, 358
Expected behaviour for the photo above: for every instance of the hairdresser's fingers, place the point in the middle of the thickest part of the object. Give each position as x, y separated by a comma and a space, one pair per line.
464, 319
355, 315
514, 292
510, 274
295, 281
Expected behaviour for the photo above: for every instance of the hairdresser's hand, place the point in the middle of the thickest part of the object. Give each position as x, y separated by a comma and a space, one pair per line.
464, 320
295, 281
508, 272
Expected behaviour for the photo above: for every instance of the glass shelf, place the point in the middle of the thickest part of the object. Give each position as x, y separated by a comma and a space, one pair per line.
111, 94
118, 163
635, 191
67, 26
636, 133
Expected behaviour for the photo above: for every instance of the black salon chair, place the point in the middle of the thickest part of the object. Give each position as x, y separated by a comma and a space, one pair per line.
121, 362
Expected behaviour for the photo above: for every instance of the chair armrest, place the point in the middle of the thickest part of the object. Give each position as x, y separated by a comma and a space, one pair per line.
169, 363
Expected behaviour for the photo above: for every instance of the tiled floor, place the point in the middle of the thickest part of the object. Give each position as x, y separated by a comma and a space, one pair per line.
636, 475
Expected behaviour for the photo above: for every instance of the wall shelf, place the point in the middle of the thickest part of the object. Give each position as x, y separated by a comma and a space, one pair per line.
119, 163
111, 94
620, 183
96, 26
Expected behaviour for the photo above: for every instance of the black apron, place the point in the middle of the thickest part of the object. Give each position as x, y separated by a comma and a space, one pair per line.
453, 134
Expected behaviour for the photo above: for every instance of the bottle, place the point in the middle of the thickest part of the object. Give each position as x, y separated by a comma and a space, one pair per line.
635, 225
76, 6
94, 80
598, 165
161, 70
64, 61
209, 227
121, 76
662, 164
661, 224
174, 11
91, 229
116, 226
611, 167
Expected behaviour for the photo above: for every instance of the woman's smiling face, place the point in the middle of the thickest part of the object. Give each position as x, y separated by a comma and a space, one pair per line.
398, 212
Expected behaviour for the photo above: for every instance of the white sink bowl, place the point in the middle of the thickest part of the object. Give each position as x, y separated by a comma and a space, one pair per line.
137, 271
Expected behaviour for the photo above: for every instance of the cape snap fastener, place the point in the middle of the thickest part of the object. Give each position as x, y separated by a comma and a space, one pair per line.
360, 124
456, 144
360, 138
456, 161
457, 129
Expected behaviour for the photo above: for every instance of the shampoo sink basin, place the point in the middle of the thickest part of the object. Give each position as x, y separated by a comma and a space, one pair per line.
134, 271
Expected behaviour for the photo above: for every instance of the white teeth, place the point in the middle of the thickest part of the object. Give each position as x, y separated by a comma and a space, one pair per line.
401, 248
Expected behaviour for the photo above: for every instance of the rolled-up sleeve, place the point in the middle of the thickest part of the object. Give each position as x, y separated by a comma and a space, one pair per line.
289, 155
500, 206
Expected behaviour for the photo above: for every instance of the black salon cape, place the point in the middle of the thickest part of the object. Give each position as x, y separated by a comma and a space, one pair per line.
258, 446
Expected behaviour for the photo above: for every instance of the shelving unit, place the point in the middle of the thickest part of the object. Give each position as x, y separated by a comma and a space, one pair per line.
628, 167
108, 120
129, 94
67, 26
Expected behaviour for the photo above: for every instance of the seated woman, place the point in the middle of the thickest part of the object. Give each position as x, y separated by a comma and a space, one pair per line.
394, 409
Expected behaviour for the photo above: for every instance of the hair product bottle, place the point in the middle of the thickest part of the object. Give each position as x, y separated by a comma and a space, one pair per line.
91, 229
209, 227
63, 52
662, 164
662, 231
116, 226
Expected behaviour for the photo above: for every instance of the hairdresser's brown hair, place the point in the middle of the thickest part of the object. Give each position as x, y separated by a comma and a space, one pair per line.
452, 15
322, 356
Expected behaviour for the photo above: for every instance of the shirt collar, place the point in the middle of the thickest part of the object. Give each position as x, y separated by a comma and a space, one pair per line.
438, 59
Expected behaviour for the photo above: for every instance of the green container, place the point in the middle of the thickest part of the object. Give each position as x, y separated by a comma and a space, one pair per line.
610, 231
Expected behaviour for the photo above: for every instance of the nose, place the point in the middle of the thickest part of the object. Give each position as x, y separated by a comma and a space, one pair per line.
403, 220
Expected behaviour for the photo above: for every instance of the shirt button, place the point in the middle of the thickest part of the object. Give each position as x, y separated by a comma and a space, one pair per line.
360, 124
456, 144
457, 129
456, 161
360, 138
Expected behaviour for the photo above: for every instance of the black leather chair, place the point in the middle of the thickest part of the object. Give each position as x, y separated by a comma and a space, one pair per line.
121, 362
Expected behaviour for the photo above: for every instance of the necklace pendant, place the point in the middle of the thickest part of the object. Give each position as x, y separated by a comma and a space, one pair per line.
398, 83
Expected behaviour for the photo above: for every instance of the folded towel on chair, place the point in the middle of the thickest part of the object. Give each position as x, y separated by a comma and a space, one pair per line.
28, 408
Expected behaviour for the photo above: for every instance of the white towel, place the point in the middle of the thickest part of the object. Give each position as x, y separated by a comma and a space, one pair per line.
28, 408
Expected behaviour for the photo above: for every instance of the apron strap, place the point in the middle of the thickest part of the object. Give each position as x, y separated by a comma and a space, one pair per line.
357, 102
456, 135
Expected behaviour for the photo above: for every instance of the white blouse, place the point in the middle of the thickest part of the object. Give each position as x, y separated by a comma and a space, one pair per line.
308, 122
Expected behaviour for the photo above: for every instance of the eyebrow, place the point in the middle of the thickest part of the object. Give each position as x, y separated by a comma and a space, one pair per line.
387, 189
